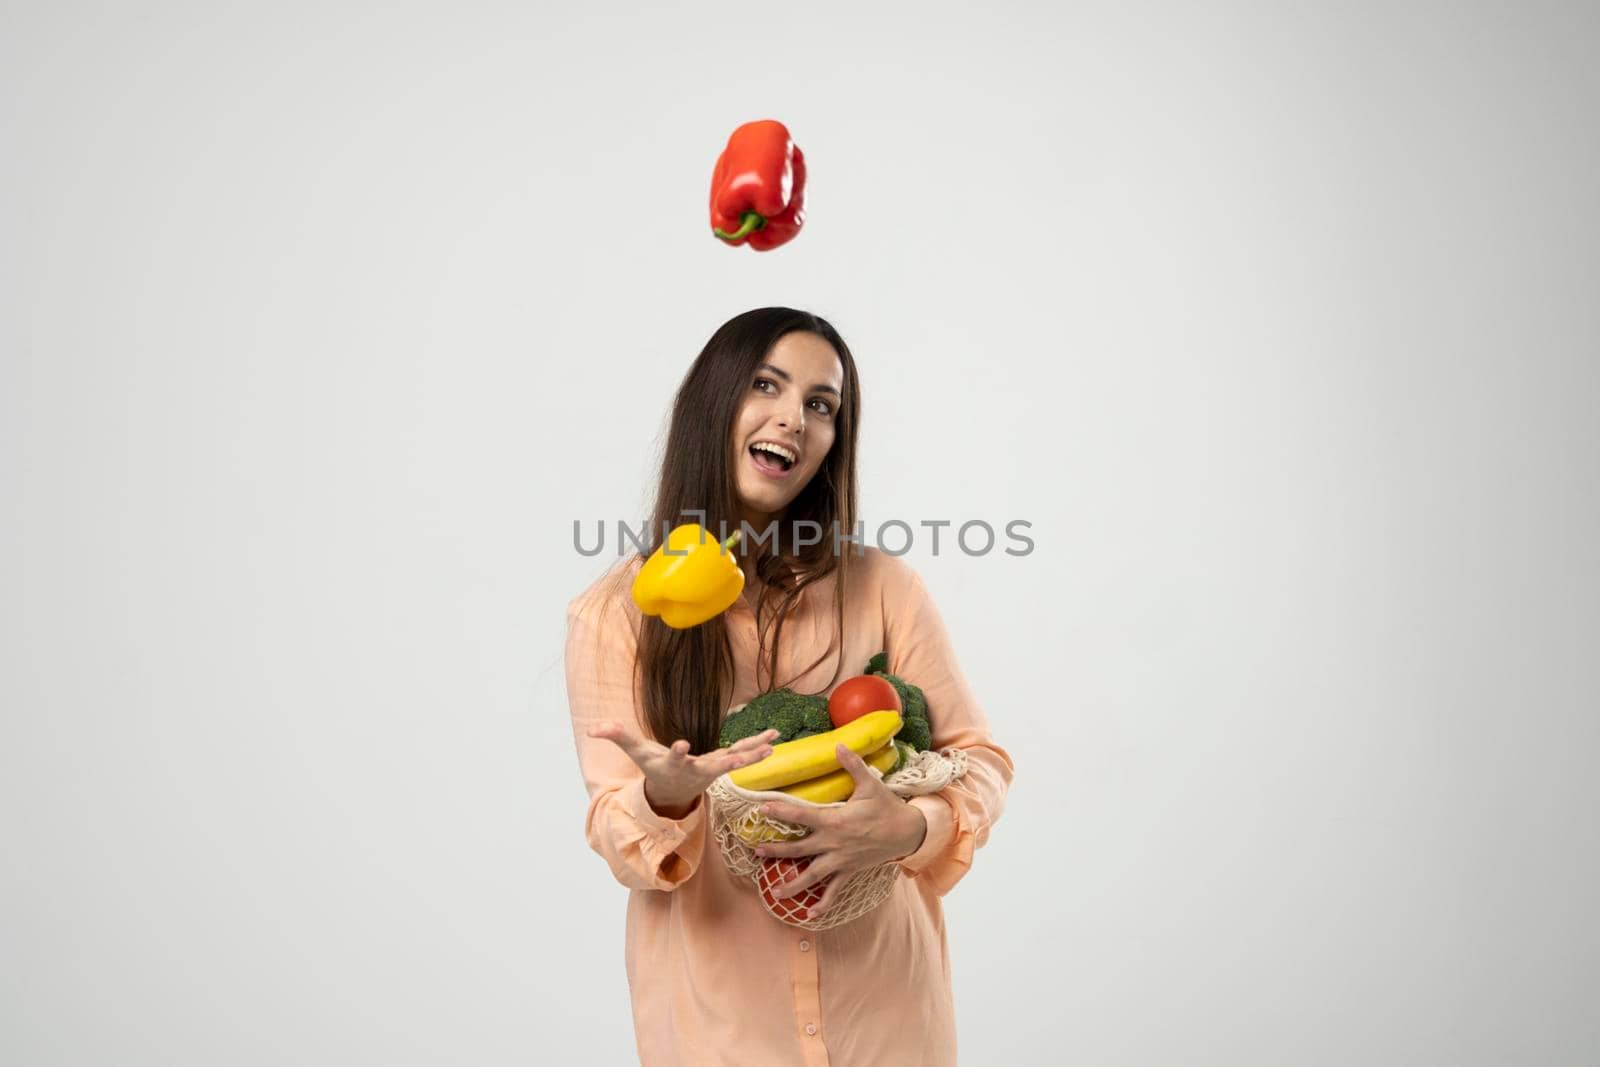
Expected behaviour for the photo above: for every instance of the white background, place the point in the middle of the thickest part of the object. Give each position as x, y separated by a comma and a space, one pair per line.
1279, 323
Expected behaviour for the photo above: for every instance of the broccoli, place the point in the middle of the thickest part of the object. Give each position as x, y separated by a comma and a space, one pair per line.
792, 714
917, 729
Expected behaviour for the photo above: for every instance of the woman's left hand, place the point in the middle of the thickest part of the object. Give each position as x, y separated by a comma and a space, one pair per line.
873, 827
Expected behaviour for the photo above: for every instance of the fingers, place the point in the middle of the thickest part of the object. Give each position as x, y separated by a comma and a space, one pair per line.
825, 901
798, 814
849, 760
735, 760
863, 775
643, 751
754, 739
813, 874
637, 748
803, 846
610, 731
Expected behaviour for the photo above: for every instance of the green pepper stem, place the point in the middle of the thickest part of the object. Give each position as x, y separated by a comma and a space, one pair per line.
751, 221
728, 544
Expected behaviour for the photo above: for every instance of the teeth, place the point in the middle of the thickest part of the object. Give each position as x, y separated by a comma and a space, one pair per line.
777, 450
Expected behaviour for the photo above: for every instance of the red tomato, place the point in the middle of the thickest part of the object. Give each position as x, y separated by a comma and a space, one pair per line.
776, 870
859, 695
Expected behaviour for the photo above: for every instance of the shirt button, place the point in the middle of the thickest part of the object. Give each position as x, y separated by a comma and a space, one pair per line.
805, 946
811, 1028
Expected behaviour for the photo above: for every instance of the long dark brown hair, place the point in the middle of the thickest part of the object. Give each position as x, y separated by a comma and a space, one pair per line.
686, 677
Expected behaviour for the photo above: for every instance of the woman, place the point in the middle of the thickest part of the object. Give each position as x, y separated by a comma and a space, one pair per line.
714, 978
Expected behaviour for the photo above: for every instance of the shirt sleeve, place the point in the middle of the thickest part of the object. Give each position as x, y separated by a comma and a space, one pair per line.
644, 849
961, 814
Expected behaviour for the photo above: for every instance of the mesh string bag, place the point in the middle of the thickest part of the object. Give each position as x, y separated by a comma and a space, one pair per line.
739, 826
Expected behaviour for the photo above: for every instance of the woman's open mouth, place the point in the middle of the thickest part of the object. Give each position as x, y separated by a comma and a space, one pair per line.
770, 463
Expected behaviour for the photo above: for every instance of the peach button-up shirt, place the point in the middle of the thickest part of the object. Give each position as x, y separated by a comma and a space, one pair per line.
714, 978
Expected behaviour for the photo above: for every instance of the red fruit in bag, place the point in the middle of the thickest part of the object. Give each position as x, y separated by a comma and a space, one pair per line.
775, 870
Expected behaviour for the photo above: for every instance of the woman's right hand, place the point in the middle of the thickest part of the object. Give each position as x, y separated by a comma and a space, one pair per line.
673, 779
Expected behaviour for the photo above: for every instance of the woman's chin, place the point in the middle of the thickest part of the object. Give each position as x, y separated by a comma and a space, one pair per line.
759, 506
754, 499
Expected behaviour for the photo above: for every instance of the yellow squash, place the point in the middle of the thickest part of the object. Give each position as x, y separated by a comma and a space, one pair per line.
811, 757
838, 785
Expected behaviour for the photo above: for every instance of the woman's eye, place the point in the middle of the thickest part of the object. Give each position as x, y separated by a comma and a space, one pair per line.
823, 407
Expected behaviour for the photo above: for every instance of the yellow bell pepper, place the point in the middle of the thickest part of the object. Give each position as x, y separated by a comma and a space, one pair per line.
689, 579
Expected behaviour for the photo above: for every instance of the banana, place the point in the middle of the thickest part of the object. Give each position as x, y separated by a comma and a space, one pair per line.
811, 757
838, 785
755, 834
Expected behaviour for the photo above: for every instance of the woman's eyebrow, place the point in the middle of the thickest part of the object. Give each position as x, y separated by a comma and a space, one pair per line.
786, 376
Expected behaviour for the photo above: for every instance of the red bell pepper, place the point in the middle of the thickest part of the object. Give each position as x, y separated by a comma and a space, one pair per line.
758, 187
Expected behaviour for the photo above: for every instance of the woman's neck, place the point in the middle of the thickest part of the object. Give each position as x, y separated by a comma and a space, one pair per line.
753, 581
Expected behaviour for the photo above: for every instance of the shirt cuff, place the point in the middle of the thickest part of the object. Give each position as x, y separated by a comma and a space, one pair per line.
940, 813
